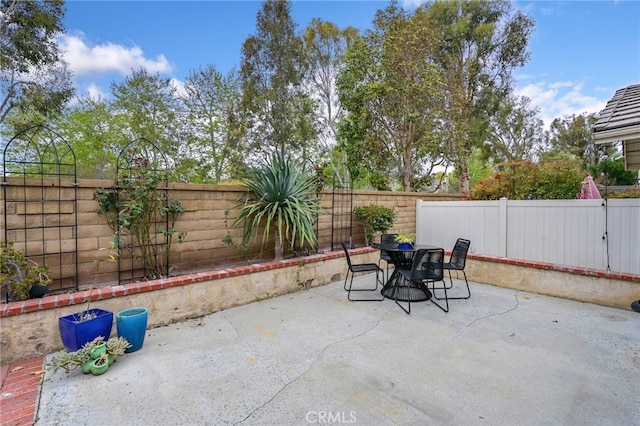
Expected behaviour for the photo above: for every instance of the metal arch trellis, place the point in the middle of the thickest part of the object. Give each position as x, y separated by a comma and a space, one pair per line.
342, 208
311, 168
40, 202
138, 164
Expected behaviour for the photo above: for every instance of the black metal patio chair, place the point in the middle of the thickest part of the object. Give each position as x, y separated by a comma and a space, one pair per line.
385, 239
354, 268
426, 269
457, 262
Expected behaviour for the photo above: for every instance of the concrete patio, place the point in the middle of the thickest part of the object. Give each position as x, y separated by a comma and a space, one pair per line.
503, 357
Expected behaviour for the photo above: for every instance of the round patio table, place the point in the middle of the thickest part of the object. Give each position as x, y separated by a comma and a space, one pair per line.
396, 287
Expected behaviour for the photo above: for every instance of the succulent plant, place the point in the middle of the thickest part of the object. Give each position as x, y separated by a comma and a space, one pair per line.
69, 361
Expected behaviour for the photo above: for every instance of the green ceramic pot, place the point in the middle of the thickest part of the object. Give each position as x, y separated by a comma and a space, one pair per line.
98, 350
99, 369
86, 366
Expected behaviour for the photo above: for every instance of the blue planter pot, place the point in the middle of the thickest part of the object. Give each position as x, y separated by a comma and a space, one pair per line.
132, 325
76, 333
405, 246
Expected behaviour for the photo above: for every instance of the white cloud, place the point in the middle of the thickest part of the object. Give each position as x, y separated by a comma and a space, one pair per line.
179, 86
95, 92
411, 4
86, 60
557, 99
560, 84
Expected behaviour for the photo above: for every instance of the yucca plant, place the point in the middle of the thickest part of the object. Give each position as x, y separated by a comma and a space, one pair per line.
283, 197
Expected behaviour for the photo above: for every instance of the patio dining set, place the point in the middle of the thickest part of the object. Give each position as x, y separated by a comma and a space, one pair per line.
417, 273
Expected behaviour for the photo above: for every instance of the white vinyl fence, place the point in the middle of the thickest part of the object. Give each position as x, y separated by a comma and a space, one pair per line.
599, 234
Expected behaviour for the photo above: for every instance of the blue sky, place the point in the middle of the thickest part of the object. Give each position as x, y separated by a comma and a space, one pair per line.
581, 51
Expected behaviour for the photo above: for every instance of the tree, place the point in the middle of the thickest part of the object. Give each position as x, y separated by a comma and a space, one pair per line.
280, 113
32, 75
479, 43
572, 135
610, 171
95, 134
516, 132
479, 168
392, 92
325, 45
147, 105
216, 136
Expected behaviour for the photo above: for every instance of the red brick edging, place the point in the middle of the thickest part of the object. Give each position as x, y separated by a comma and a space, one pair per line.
576, 270
19, 391
108, 292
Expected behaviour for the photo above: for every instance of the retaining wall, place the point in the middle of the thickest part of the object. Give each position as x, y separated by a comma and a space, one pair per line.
30, 328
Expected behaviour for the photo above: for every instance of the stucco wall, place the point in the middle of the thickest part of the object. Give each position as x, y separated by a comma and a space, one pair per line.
604, 288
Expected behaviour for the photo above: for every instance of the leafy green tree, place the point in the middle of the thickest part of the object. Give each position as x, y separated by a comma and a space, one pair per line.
393, 97
325, 45
479, 167
478, 44
610, 170
352, 165
516, 132
148, 107
216, 136
280, 113
32, 75
95, 135
572, 134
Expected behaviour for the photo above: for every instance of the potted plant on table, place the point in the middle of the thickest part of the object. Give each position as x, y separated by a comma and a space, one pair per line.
405, 241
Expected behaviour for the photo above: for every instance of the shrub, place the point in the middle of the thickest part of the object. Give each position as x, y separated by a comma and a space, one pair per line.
136, 204
19, 273
551, 180
375, 219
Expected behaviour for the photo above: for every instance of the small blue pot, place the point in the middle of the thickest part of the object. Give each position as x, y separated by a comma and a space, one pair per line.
405, 246
132, 325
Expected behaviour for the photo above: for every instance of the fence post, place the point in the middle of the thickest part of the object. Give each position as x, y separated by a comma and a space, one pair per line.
419, 226
502, 224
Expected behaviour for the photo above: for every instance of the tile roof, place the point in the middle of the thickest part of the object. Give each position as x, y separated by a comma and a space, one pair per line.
623, 110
